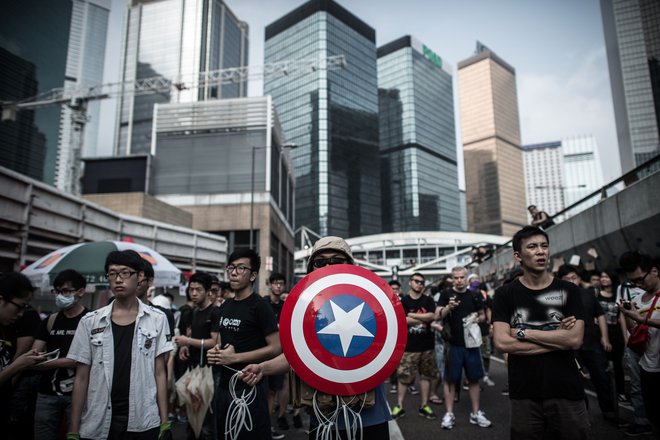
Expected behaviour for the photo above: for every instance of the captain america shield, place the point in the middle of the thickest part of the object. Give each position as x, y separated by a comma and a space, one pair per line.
343, 329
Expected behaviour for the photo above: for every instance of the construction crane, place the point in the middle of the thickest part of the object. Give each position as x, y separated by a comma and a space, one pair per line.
76, 98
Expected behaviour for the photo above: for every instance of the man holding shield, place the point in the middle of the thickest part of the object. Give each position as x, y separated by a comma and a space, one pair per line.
330, 251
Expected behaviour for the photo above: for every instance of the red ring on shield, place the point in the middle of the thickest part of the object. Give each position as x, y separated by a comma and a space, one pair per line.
309, 328
308, 357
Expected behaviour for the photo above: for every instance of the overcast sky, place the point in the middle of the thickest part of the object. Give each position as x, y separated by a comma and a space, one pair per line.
556, 47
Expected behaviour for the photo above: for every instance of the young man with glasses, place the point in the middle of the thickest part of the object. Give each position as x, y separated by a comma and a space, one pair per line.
56, 333
120, 350
248, 333
643, 272
15, 354
419, 355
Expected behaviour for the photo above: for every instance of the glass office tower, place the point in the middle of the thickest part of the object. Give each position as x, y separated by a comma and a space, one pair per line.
48, 45
331, 115
173, 38
417, 139
632, 38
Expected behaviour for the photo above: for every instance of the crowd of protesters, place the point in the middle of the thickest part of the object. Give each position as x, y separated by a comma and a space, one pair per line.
109, 373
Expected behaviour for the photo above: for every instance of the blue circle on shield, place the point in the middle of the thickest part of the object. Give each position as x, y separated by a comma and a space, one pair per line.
345, 326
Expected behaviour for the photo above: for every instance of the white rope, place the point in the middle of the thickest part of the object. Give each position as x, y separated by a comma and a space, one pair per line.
238, 414
328, 423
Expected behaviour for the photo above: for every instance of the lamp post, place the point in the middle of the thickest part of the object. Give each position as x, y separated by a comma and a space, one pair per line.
254, 151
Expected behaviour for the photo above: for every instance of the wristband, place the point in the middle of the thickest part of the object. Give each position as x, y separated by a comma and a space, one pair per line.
165, 426
72, 436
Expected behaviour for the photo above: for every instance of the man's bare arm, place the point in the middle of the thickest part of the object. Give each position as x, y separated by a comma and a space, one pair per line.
560, 339
79, 395
506, 343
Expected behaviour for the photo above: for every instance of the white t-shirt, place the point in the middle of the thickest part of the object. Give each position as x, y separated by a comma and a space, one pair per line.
651, 360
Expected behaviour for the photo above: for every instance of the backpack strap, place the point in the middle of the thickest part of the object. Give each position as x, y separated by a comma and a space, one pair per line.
51, 321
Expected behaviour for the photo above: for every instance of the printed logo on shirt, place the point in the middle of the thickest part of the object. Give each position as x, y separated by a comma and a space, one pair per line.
230, 323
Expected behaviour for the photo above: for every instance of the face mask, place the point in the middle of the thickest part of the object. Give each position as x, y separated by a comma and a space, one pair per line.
65, 302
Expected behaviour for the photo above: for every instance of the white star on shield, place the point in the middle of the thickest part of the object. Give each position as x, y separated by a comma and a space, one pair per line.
346, 325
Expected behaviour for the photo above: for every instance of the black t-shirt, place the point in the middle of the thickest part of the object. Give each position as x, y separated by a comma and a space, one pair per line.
592, 310
547, 375
58, 381
7, 350
170, 318
185, 318
420, 336
245, 325
277, 308
122, 336
202, 324
469, 302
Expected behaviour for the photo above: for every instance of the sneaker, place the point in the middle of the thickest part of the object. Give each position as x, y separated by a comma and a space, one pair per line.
427, 412
413, 390
398, 412
393, 389
636, 430
479, 418
448, 421
276, 435
465, 386
297, 421
488, 381
282, 423
505, 391
622, 398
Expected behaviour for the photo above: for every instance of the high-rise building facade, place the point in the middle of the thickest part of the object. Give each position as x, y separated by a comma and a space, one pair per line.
558, 174
84, 67
490, 128
544, 176
175, 39
632, 39
583, 173
331, 115
47, 45
417, 139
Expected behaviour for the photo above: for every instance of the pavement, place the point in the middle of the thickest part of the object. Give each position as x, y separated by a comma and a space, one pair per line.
493, 403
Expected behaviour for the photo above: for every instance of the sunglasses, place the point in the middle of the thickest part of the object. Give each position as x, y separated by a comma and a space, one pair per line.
322, 262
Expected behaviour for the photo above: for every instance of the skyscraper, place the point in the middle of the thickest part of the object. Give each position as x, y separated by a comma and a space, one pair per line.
632, 38
47, 45
84, 67
173, 39
490, 127
544, 176
583, 173
417, 139
332, 115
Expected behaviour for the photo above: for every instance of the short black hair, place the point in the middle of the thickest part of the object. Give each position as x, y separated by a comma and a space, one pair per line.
629, 261
202, 278
14, 285
417, 274
70, 276
251, 254
394, 283
215, 280
565, 269
526, 232
128, 258
276, 276
148, 269
530, 207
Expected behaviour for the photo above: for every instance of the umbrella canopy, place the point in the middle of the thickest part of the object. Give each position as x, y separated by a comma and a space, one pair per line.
195, 391
89, 259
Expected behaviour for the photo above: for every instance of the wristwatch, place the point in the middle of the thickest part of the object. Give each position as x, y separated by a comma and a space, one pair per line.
521, 333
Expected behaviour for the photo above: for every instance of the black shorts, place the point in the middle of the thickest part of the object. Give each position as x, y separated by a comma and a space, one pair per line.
275, 383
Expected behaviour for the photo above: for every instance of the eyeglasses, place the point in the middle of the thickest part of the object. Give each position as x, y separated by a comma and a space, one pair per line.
322, 262
63, 291
414, 280
639, 280
23, 306
123, 274
239, 269
277, 283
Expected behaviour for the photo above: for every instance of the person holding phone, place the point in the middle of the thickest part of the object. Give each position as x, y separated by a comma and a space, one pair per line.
55, 335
